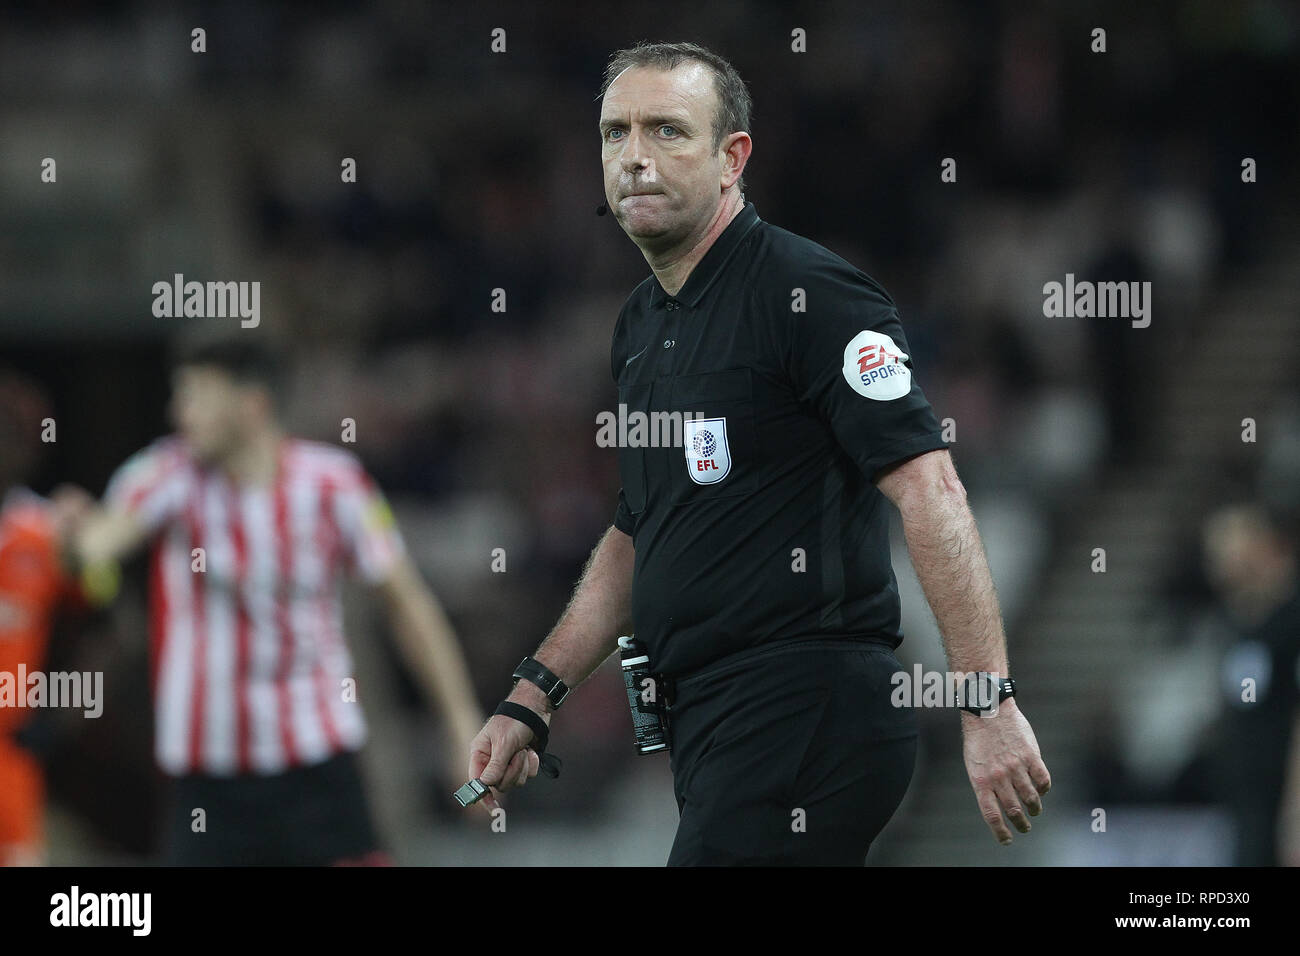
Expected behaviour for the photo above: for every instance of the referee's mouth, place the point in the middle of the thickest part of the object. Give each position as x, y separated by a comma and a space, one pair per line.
656, 192
631, 202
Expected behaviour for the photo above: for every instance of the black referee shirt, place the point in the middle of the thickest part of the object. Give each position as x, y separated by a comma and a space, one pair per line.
762, 523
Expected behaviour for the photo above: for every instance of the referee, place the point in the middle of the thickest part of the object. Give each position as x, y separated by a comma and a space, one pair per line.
753, 563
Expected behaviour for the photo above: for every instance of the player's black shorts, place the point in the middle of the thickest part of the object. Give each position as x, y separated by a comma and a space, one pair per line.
790, 754
306, 816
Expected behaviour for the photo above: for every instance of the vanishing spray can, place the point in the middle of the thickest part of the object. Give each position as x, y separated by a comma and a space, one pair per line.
643, 697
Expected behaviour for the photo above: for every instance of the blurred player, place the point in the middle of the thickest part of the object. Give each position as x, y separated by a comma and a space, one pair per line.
255, 709
32, 587
1252, 562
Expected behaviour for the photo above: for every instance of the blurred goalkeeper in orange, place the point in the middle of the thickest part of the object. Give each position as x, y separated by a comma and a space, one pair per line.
33, 586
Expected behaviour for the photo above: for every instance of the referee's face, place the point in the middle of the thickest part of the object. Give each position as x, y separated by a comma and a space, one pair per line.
662, 172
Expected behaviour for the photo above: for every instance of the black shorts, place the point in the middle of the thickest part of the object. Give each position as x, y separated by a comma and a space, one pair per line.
790, 754
306, 816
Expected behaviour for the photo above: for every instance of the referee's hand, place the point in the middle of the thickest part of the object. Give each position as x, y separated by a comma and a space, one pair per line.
1005, 768
500, 756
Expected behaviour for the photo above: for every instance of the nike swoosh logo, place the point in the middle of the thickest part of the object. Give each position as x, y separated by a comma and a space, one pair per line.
635, 357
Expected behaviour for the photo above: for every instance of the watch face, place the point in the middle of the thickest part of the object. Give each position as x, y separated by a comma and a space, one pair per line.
980, 692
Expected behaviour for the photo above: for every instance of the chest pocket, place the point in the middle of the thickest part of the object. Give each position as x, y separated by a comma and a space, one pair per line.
632, 458
719, 453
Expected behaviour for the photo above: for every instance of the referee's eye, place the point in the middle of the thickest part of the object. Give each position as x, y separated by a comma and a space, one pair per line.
672, 130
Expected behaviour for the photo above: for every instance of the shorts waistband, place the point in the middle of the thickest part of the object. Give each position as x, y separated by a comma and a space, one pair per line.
751, 654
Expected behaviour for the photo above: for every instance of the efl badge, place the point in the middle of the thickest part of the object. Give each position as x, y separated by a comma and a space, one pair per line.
873, 365
708, 459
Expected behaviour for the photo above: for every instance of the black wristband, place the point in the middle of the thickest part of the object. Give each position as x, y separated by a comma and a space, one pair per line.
528, 716
549, 763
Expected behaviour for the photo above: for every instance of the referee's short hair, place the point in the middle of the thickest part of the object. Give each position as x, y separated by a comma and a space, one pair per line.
734, 104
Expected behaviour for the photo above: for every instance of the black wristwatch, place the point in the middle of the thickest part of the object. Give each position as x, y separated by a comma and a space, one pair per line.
1006, 687
538, 673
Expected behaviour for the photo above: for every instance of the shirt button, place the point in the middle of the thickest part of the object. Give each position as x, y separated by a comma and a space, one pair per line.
671, 305
668, 343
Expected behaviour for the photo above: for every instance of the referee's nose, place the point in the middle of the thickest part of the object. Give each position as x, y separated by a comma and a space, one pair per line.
636, 160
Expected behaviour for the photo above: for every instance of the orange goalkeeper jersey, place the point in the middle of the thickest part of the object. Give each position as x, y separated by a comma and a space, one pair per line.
31, 584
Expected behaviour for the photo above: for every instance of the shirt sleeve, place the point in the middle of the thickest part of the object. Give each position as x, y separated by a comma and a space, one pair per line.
849, 359
150, 486
623, 519
372, 542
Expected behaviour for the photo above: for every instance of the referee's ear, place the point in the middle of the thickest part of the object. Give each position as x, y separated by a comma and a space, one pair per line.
733, 153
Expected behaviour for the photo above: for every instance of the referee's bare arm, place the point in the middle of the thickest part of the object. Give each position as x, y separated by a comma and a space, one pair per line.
587, 633
1002, 756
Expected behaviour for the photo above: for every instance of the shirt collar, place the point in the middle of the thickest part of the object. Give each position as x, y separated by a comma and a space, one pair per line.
711, 265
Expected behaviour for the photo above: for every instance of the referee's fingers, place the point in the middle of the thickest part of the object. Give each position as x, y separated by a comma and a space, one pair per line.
521, 776
1042, 780
992, 814
480, 755
511, 779
529, 768
1027, 792
1006, 794
510, 776
494, 773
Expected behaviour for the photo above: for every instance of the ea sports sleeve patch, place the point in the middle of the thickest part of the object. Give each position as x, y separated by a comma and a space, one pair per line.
849, 359
875, 367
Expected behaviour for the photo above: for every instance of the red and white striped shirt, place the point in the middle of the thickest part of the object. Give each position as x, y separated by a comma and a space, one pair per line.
247, 655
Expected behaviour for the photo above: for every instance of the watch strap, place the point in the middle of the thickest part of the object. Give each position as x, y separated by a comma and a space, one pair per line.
535, 672
1006, 688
